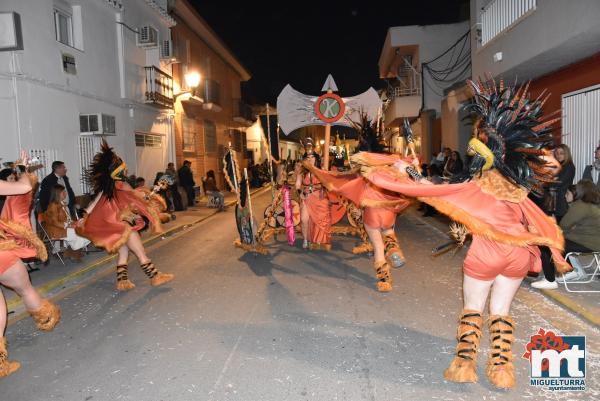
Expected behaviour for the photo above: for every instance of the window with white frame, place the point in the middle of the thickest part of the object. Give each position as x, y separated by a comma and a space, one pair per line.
63, 27
148, 140
188, 134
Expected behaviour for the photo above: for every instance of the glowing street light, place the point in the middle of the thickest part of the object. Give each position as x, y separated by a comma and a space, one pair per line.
192, 79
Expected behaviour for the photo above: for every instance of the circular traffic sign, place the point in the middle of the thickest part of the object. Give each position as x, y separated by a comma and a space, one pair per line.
329, 107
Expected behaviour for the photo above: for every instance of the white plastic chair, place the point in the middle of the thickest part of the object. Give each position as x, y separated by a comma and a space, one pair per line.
588, 277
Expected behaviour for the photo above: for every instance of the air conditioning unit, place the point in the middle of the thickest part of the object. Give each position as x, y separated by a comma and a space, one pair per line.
168, 52
97, 124
147, 37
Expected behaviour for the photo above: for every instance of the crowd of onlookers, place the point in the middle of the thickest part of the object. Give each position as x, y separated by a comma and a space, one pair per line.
576, 208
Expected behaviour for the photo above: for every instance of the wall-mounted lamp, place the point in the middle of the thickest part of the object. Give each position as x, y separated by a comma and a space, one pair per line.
192, 80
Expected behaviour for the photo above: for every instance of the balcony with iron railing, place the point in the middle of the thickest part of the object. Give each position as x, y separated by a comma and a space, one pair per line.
159, 88
242, 112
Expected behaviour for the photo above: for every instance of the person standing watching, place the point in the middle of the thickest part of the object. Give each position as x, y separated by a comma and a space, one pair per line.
592, 171
186, 180
57, 176
564, 179
177, 203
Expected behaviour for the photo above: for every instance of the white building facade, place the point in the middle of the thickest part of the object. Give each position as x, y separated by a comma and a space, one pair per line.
87, 70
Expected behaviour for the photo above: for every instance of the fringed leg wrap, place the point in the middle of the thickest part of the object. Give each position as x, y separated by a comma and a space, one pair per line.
365, 247
6, 367
47, 317
463, 368
382, 271
500, 370
123, 282
156, 278
393, 253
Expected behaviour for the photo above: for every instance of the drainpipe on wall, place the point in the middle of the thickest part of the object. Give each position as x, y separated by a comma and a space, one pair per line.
13, 72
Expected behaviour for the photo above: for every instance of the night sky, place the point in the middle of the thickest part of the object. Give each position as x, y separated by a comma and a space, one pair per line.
301, 42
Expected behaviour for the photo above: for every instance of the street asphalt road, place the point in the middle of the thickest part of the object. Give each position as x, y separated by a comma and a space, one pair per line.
289, 326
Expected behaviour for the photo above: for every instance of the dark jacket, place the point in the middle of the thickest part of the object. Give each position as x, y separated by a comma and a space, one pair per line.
186, 177
587, 175
565, 180
46, 189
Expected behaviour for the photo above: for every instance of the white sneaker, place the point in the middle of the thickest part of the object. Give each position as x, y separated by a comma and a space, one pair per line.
545, 284
305, 244
574, 275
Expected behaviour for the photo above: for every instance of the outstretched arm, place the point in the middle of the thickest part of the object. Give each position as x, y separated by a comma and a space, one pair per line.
22, 186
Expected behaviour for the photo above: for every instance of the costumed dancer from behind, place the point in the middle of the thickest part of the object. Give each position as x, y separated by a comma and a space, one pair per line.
380, 207
115, 217
490, 199
18, 241
315, 214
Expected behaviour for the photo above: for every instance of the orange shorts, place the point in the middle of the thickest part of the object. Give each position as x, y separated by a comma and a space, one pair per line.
7, 260
379, 217
488, 259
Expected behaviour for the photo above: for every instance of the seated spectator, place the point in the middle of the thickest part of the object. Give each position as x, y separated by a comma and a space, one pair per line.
58, 223
57, 176
580, 226
210, 187
454, 165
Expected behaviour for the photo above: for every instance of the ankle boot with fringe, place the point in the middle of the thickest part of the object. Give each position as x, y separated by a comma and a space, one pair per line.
384, 276
393, 253
47, 316
156, 277
500, 370
123, 282
463, 368
6, 367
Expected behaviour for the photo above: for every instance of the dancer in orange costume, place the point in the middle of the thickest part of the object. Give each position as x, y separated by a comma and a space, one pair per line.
18, 241
380, 208
490, 199
315, 214
113, 220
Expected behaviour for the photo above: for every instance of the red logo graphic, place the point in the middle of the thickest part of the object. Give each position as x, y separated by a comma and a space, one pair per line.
329, 107
543, 341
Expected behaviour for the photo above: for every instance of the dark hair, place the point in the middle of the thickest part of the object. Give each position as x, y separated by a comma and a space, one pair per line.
5, 173
140, 179
56, 164
210, 174
567, 151
57, 189
586, 191
317, 158
187, 162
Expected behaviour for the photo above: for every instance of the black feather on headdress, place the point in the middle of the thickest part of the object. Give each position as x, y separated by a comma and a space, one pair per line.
511, 126
99, 173
368, 140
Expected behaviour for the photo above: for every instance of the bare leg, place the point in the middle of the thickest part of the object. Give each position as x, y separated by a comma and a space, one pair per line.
3, 314
137, 247
381, 266
475, 293
6, 367
123, 255
377, 242
304, 218
503, 293
134, 243
45, 314
16, 277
